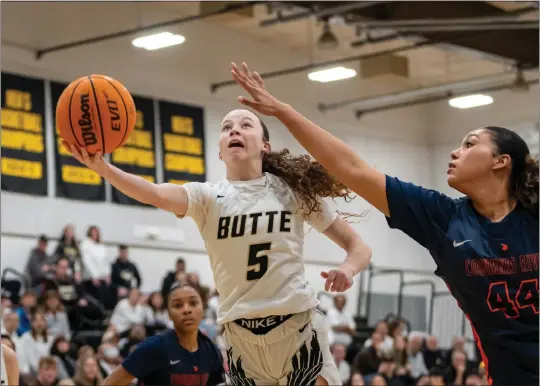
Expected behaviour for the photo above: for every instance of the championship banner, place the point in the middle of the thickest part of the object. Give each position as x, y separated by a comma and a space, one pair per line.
182, 137
137, 155
24, 160
73, 180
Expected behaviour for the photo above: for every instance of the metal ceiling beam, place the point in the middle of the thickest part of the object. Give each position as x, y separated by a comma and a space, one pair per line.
512, 18
469, 27
313, 66
447, 95
405, 96
323, 12
228, 8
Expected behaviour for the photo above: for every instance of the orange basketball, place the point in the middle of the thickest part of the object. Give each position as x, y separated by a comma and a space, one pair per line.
96, 112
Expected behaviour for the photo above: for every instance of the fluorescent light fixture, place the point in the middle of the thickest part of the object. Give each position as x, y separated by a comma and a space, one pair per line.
157, 41
468, 101
332, 74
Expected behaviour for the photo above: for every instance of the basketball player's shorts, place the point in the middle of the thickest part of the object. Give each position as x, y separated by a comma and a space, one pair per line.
288, 350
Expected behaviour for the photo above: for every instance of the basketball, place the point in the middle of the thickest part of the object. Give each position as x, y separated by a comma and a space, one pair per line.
97, 113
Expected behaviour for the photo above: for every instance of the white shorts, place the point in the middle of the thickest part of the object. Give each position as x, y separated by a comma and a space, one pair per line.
277, 350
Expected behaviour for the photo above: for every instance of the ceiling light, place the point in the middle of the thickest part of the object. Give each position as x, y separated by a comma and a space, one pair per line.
332, 74
157, 41
466, 102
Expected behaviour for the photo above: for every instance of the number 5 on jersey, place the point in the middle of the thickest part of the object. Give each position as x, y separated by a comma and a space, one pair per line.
257, 261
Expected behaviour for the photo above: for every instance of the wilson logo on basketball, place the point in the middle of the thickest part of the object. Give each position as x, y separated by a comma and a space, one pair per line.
85, 122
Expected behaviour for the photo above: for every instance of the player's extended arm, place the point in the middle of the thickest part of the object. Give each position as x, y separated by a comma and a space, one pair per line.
118, 377
12, 365
337, 157
358, 252
170, 197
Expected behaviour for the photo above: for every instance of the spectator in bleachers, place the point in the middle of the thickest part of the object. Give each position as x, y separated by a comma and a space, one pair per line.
109, 358
171, 277
367, 361
473, 380
28, 303
436, 377
399, 352
6, 303
416, 358
388, 343
378, 380
47, 374
87, 372
124, 273
65, 363
341, 322
136, 335
156, 316
7, 341
68, 247
97, 266
57, 320
458, 343
387, 371
39, 264
458, 372
338, 353
356, 380
10, 326
72, 295
432, 354
35, 344
396, 329
128, 312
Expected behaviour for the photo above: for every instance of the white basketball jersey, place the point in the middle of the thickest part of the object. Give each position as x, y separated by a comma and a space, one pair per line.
3, 374
254, 236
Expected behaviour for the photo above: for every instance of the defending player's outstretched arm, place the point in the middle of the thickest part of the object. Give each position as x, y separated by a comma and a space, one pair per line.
337, 157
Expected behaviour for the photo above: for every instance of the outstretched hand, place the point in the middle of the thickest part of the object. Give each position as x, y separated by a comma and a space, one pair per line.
263, 102
337, 280
96, 162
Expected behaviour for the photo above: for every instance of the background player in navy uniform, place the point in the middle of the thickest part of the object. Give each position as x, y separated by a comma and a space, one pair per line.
183, 356
485, 244
252, 224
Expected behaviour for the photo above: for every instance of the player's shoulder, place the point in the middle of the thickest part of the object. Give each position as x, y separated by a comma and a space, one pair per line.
208, 347
158, 341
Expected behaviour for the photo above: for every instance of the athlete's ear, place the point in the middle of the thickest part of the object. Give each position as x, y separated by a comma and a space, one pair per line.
220, 157
502, 161
267, 148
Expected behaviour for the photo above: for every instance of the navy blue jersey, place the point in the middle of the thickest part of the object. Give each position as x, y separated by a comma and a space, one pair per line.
490, 268
161, 360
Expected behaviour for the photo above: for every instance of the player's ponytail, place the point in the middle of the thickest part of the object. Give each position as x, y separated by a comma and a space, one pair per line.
306, 177
527, 186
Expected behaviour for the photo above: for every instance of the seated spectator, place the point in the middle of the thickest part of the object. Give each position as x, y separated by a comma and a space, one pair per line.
156, 315
46, 374
473, 380
57, 320
128, 312
399, 351
68, 248
97, 268
35, 344
171, 277
341, 322
124, 273
356, 380
108, 357
382, 328
85, 351
10, 326
6, 304
194, 280
458, 372
436, 377
338, 353
378, 380
136, 335
416, 357
65, 363
7, 341
396, 329
367, 361
28, 303
458, 343
72, 295
87, 373
39, 264
432, 354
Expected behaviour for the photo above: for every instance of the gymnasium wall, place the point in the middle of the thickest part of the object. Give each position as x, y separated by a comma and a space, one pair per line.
394, 142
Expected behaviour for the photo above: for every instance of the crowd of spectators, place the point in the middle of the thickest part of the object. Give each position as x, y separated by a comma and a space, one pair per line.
83, 312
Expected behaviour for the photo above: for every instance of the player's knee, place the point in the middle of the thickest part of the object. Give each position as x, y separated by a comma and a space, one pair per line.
321, 381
